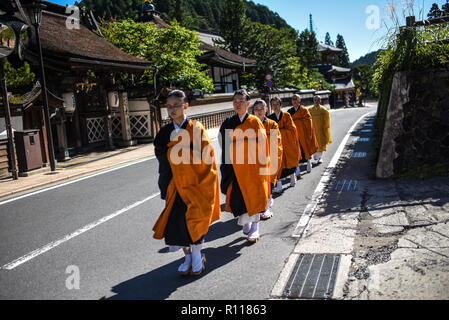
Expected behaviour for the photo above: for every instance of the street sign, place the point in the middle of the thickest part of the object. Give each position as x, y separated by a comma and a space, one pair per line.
268, 77
269, 84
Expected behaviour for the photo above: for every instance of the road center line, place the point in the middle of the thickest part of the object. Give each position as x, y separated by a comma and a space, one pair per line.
78, 232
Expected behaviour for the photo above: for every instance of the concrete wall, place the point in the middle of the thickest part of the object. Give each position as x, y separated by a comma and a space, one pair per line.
416, 131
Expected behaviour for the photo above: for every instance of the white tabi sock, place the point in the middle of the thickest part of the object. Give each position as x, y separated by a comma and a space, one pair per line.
309, 165
187, 263
197, 258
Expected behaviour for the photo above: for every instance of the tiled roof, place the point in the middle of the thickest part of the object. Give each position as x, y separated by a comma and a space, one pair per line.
325, 47
81, 44
226, 55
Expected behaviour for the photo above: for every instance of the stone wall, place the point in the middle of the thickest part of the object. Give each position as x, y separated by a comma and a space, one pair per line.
416, 131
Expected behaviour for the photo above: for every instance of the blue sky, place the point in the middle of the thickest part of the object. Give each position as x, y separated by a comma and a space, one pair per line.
346, 17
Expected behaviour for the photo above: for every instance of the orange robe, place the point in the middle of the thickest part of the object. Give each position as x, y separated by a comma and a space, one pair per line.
195, 180
290, 144
321, 124
245, 176
269, 126
306, 133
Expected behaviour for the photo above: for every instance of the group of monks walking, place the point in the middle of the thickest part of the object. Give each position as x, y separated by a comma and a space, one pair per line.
258, 152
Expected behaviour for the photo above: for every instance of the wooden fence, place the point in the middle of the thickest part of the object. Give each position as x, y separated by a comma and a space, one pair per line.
4, 160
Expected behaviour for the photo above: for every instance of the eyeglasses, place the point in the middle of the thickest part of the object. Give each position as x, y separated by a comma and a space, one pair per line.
170, 107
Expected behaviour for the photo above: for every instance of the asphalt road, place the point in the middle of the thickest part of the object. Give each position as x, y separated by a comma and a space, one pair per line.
119, 259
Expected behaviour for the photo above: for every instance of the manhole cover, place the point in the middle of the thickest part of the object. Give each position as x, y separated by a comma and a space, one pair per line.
313, 277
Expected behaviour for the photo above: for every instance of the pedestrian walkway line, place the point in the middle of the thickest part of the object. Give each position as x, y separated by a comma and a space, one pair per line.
318, 194
301, 228
52, 245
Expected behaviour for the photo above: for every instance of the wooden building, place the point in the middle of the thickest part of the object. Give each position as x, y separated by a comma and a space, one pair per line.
344, 92
224, 66
88, 109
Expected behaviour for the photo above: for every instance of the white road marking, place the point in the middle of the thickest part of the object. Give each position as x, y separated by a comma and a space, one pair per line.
75, 181
358, 155
78, 232
318, 194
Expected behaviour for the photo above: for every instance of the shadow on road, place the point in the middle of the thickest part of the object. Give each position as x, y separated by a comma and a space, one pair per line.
160, 283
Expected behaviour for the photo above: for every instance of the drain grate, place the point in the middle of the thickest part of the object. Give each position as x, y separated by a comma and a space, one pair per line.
364, 140
313, 277
366, 131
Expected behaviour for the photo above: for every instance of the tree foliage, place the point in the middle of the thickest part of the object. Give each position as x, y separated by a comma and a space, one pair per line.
173, 52
197, 14
18, 78
234, 26
435, 11
363, 78
273, 49
344, 57
307, 44
328, 40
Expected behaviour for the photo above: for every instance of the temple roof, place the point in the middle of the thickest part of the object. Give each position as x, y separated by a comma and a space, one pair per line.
339, 70
328, 49
225, 57
344, 84
81, 48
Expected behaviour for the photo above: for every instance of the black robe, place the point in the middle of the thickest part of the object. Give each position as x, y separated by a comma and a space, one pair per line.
228, 177
176, 232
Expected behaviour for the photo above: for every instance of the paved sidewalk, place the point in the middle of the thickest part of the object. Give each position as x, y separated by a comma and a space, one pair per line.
391, 237
80, 166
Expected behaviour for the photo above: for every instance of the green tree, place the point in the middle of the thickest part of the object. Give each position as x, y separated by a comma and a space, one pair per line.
328, 40
445, 9
273, 49
344, 57
173, 51
20, 78
307, 48
234, 25
363, 77
435, 11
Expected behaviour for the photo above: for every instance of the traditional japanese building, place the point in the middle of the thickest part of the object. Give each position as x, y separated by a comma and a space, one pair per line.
88, 108
224, 66
344, 92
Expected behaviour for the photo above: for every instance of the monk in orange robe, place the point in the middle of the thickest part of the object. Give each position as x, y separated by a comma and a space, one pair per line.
306, 133
245, 166
188, 180
274, 137
321, 124
291, 151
